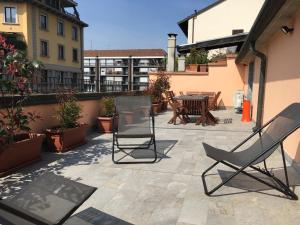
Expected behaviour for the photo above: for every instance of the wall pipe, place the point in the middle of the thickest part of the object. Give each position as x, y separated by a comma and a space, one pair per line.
262, 84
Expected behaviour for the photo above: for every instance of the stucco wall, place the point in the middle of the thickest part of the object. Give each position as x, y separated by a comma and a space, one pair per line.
90, 110
227, 79
282, 80
220, 20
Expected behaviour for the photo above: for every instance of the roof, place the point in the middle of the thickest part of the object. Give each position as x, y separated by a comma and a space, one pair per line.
125, 53
264, 18
183, 24
66, 15
233, 40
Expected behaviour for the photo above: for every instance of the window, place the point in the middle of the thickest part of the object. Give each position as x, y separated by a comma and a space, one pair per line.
74, 79
61, 77
60, 28
43, 22
75, 55
44, 49
74, 33
10, 14
44, 76
61, 52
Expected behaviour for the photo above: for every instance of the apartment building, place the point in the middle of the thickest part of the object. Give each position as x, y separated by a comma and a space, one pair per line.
121, 70
53, 33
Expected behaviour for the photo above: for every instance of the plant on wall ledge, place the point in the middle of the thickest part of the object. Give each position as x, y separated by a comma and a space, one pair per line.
18, 145
196, 58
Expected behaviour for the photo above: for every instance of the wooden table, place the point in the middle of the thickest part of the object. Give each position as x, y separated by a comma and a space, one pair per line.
198, 105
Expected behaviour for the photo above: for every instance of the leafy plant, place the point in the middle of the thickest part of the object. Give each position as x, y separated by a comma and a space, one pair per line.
159, 86
219, 55
16, 73
197, 57
108, 107
69, 110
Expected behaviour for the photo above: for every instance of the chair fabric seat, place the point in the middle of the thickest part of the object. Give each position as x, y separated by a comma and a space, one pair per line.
241, 158
50, 199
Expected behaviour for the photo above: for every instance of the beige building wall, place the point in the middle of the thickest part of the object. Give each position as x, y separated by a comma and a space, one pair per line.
282, 80
28, 24
220, 20
227, 78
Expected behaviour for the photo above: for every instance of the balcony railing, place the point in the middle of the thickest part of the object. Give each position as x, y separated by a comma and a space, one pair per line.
52, 85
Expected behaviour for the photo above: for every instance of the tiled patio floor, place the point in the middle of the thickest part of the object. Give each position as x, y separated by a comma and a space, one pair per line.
169, 191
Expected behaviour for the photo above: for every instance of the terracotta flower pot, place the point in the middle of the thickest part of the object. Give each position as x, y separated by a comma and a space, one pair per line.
21, 153
156, 108
191, 68
164, 105
105, 124
128, 117
62, 140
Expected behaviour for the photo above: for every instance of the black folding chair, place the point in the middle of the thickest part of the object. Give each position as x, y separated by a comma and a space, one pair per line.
133, 119
48, 200
270, 136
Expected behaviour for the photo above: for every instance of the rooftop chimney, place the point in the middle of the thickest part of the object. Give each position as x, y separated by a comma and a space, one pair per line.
171, 52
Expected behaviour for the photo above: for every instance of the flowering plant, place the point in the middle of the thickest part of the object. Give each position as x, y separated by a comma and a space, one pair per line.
16, 72
157, 87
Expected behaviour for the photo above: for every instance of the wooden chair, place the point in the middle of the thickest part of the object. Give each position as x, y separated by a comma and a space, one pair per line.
178, 110
213, 104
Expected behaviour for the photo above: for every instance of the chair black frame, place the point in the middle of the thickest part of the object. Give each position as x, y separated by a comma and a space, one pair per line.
123, 147
284, 187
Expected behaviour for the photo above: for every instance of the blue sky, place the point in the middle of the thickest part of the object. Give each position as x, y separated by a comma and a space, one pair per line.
123, 24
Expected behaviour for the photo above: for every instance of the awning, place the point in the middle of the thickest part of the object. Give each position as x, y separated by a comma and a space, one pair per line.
234, 40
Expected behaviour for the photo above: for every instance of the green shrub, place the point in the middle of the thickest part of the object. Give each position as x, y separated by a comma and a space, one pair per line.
69, 110
197, 57
108, 107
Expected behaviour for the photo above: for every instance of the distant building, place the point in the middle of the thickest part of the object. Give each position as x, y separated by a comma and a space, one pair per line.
121, 70
53, 34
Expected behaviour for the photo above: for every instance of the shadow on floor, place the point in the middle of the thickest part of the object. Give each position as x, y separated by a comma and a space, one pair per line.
163, 148
88, 154
92, 216
247, 184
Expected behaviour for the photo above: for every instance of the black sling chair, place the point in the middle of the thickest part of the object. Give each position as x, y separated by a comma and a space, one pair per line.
270, 137
133, 119
48, 200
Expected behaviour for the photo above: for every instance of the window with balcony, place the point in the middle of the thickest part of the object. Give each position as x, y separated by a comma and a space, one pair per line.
43, 22
10, 15
75, 55
44, 49
61, 52
60, 28
74, 33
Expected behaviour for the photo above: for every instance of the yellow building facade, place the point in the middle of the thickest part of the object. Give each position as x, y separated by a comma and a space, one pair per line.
52, 32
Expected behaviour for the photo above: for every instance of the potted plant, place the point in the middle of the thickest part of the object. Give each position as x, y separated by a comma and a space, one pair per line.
70, 133
162, 84
105, 120
18, 145
197, 61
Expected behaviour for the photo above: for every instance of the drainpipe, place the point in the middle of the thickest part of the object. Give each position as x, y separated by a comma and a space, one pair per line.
193, 27
262, 82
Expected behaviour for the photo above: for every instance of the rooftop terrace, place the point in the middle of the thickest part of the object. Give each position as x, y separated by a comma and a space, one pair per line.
169, 191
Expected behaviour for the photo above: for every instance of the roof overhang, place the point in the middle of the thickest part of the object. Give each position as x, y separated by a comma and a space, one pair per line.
69, 3
273, 15
234, 40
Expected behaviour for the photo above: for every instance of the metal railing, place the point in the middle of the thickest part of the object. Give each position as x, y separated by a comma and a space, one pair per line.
52, 85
